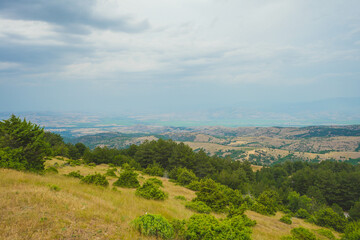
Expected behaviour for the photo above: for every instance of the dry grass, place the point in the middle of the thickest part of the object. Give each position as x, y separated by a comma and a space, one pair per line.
270, 227
29, 209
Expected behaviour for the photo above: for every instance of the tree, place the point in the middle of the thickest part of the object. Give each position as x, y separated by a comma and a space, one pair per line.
22, 145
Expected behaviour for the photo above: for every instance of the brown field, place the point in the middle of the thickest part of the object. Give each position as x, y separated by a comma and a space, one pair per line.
30, 209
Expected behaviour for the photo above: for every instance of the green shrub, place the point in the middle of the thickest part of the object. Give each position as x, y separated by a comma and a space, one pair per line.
111, 172
302, 213
206, 226
91, 164
54, 188
326, 233
180, 198
76, 162
352, 231
286, 219
211, 194
154, 170
150, 190
198, 206
127, 179
194, 185
156, 181
328, 218
179, 227
154, 225
301, 233
354, 211
96, 179
51, 170
259, 208
22, 145
186, 176
270, 200
75, 175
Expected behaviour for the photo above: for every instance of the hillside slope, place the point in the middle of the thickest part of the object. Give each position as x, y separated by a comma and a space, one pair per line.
32, 208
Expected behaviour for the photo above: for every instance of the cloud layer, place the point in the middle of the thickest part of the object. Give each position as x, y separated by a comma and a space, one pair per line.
175, 54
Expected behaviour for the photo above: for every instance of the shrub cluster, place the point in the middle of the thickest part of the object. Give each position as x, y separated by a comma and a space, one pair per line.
156, 181
75, 175
286, 219
154, 225
149, 190
154, 170
127, 179
198, 206
96, 179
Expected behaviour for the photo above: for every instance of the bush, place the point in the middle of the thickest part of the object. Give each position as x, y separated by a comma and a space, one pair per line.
185, 177
154, 225
54, 188
302, 213
198, 206
111, 172
326, 233
286, 219
205, 226
194, 185
210, 193
156, 181
301, 233
150, 190
270, 200
96, 179
22, 145
352, 231
180, 198
51, 170
328, 218
354, 211
75, 175
179, 227
127, 179
154, 170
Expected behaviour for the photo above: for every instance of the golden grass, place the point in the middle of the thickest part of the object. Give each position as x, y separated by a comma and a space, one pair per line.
270, 227
29, 209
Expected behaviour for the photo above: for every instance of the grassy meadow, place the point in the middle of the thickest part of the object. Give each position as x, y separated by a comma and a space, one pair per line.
53, 206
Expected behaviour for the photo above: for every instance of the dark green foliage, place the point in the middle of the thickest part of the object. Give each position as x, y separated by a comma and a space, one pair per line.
179, 227
51, 170
194, 185
301, 233
127, 179
354, 212
22, 145
111, 172
156, 181
210, 193
267, 203
154, 225
185, 176
75, 175
149, 190
286, 219
352, 231
302, 213
154, 170
198, 206
297, 202
205, 226
96, 179
328, 218
326, 233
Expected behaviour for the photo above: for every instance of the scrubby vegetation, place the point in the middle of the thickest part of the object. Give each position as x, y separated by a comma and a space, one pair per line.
154, 225
96, 179
317, 192
151, 190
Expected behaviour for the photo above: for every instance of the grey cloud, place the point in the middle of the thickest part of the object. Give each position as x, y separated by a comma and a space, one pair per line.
71, 16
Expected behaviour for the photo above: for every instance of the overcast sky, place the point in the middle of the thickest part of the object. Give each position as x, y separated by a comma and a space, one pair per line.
175, 55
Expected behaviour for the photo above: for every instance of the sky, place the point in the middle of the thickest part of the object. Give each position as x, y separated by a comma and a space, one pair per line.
175, 55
